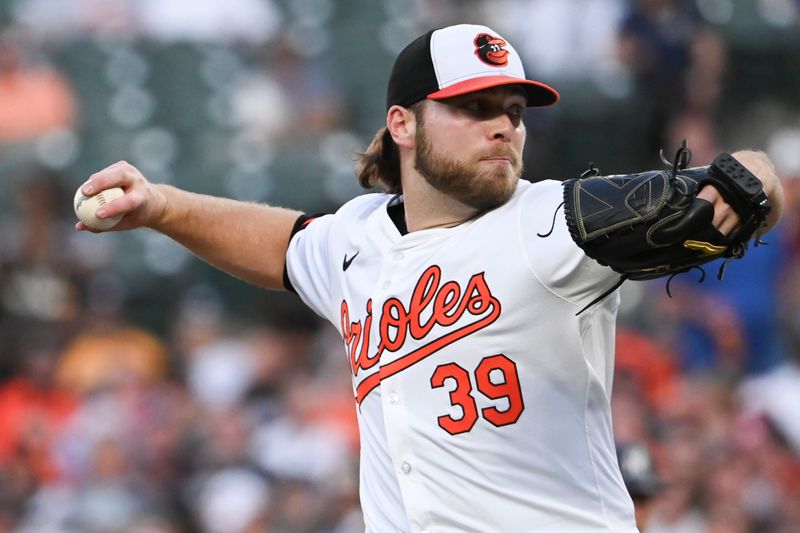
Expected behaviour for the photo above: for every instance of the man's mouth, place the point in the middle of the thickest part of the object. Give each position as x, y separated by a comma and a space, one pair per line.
504, 156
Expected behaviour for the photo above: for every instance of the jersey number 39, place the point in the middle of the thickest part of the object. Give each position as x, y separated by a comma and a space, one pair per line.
496, 378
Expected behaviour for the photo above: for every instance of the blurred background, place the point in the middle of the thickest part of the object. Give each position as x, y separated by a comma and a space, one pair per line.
142, 391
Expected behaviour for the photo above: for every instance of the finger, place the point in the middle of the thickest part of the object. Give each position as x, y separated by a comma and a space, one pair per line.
728, 224
100, 181
127, 203
120, 174
721, 213
725, 218
710, 194
80, 226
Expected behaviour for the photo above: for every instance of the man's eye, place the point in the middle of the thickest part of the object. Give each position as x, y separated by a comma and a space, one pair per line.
476, 106
516, 111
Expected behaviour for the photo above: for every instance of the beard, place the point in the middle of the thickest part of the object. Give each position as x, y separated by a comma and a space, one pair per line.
475, 184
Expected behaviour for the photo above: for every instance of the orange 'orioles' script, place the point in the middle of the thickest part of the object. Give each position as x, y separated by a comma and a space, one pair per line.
447, 304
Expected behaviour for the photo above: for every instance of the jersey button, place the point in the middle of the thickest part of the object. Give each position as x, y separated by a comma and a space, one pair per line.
406, 468
398, 256
386, 284
393, 397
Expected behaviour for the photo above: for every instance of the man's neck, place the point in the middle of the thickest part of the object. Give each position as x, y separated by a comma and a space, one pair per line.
427, 207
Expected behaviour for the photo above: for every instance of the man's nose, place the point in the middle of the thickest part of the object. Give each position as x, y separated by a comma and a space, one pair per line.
502, 126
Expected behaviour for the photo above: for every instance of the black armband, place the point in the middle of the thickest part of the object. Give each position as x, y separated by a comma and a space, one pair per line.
299, 225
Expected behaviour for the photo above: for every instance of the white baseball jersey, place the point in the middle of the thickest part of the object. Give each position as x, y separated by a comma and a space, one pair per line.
483, 400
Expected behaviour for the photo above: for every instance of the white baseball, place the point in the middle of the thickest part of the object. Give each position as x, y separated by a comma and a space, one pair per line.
86, 208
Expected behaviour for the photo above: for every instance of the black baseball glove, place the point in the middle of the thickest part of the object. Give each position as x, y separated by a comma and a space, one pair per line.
652, 224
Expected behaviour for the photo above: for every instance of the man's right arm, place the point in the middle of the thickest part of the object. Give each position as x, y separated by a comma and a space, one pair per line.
244, 239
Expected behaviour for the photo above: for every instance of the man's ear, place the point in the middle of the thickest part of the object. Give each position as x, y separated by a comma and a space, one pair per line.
402, 125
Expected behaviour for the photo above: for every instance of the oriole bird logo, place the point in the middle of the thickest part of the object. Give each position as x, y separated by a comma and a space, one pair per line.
489, 49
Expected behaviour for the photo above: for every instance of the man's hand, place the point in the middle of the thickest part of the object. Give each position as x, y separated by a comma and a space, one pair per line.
143, 204
725, 218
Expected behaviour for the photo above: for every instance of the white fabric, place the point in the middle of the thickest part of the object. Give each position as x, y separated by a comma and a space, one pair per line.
455, 60
776, 394
551, 469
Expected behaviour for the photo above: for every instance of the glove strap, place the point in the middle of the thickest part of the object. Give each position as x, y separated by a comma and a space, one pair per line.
746, 183
748, 191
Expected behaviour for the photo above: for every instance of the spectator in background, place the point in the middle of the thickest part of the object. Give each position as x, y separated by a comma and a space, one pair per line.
640, 477
220, 373
645, 368
41, 288
776, 395
784, 149
34, 413
61, 20
301, 443
759, 474
122, 453
685, 426
96, 360
228, 491
37, 283
728, 326
34, 98
221, 21
291, 96
676, 60
561, 40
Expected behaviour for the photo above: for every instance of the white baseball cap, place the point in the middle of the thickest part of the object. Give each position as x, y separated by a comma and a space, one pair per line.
458, 60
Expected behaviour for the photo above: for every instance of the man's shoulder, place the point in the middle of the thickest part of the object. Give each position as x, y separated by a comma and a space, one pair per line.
540, 185
544, 191
362, 206
353, 213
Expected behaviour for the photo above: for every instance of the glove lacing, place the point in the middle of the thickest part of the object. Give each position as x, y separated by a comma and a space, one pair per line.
680, 162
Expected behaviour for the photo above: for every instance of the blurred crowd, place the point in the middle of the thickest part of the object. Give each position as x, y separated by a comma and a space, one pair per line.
140, 391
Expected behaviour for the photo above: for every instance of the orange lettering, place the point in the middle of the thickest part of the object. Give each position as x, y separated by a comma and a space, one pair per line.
447, 305
353, 335
394, 316
479, 303
364, 359
447, 299
425, 291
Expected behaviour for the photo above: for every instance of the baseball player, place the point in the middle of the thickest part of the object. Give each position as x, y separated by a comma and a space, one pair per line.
482, 392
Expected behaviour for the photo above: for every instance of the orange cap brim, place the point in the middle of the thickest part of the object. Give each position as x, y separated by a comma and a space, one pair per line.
539, 94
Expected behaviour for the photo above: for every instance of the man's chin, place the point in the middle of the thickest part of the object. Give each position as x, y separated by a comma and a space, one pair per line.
493, 194
484, 186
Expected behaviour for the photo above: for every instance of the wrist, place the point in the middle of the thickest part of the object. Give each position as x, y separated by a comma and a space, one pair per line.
162, 211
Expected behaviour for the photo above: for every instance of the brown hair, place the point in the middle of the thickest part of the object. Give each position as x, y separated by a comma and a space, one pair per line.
379, 165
